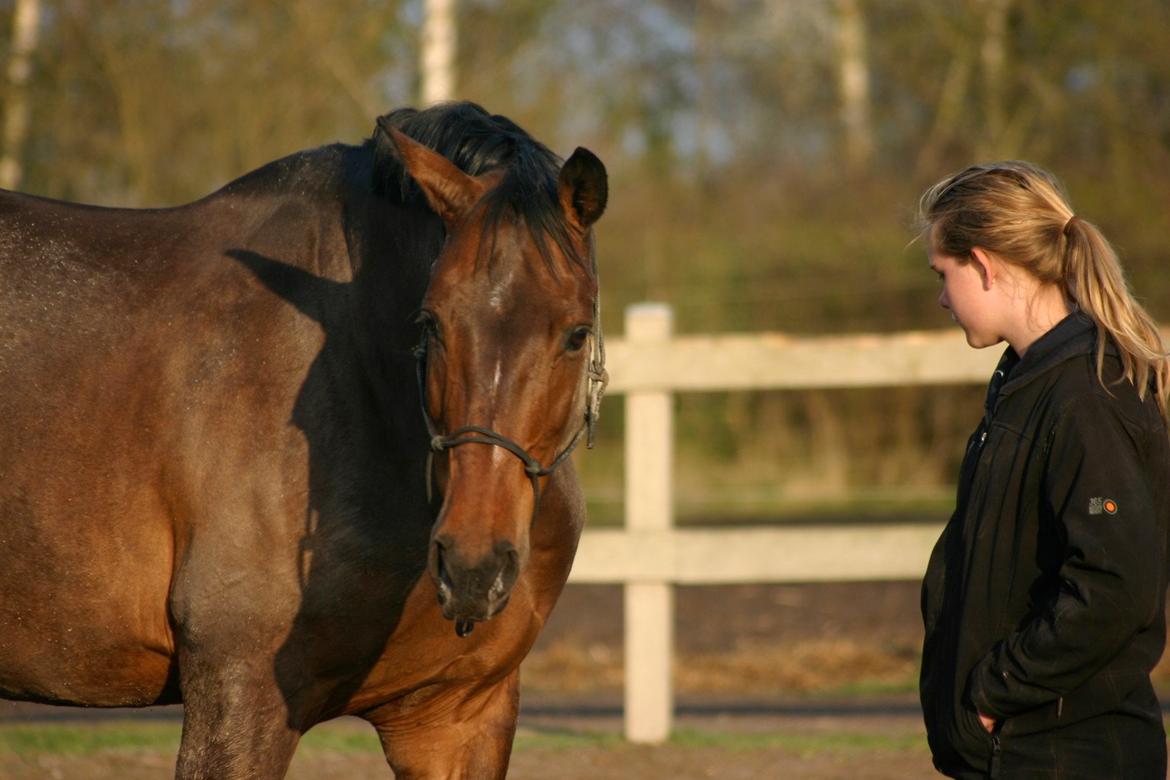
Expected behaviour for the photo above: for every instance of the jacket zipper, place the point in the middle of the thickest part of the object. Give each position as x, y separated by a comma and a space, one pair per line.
993, 387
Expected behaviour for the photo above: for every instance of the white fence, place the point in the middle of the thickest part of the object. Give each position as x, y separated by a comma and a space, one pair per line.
649, 556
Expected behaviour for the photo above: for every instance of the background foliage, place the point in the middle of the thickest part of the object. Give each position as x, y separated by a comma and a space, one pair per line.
765, 157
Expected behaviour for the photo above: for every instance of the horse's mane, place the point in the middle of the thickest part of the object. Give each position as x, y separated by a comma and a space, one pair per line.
477, 142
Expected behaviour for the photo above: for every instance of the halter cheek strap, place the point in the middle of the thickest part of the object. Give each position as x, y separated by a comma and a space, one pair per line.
598, 376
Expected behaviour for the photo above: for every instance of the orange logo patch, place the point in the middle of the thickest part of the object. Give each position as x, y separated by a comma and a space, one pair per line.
1102, 505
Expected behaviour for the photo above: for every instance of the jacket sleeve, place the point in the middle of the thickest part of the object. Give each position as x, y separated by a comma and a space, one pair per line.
1097, 487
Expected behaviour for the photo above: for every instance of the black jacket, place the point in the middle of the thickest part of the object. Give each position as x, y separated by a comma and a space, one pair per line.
1043, 601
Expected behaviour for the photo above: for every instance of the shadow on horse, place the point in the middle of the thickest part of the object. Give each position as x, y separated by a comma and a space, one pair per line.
300, 449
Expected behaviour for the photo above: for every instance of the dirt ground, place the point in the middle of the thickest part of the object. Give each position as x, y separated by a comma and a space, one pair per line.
794, 681
775, 639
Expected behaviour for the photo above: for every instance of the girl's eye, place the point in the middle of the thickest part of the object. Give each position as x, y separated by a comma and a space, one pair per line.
577, 338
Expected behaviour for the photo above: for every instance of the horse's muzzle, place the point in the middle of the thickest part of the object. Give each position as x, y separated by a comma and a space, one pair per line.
472, 591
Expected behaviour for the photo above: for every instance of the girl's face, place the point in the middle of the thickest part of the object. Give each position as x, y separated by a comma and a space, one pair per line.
968, 297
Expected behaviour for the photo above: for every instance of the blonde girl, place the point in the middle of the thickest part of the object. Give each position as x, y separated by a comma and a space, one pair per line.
1044, 599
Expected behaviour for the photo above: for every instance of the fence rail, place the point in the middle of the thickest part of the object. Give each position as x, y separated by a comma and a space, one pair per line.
649, 556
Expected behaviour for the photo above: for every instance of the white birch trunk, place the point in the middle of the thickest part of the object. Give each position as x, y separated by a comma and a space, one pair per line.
853, 81
993, 56
25, 26
438, 51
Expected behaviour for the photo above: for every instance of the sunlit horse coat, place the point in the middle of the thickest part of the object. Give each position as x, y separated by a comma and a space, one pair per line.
214, 458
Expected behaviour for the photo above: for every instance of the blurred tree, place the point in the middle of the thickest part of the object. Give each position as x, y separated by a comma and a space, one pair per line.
764, 157
853, 75
26, 18
150, 102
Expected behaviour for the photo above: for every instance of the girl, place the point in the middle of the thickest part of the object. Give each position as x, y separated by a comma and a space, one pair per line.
1044, 598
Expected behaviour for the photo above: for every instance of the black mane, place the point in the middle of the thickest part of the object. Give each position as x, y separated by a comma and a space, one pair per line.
478, 142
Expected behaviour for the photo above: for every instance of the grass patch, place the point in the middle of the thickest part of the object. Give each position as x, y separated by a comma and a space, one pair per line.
75, 739
86, 739
335, 738
803, 744
558, 741
91, 739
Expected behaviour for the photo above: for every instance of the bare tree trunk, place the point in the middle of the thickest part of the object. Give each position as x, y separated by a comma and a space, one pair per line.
853, 81
948, 113
25, 24
993, 59
705, 66
133, 98
438, 51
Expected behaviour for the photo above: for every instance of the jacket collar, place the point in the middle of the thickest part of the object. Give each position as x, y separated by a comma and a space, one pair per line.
1073, 336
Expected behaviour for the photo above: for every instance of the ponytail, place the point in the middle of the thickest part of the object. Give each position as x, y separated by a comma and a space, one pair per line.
1019, 211
1094, 279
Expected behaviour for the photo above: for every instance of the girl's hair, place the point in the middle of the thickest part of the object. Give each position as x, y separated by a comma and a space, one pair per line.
1020, 212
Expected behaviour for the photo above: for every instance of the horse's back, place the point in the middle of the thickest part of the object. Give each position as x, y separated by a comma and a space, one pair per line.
124, 357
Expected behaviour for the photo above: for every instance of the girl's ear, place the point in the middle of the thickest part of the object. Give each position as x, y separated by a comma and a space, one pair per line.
986, 264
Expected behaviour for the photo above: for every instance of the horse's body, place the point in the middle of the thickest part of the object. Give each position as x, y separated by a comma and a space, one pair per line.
213, 463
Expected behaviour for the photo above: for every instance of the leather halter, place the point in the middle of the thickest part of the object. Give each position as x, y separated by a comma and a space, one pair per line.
596, 378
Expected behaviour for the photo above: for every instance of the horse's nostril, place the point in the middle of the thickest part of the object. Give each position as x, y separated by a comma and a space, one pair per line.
498, 587
443, 580
509, 569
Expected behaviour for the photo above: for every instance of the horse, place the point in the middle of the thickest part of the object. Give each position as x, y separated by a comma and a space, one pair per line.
300, 449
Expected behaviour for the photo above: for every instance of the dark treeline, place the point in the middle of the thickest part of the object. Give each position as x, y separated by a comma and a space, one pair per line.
765, 158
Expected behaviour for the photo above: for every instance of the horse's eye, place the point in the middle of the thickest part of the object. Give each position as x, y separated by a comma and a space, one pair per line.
427, 321
577, 338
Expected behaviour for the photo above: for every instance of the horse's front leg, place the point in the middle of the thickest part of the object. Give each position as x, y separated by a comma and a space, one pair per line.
458, 735
236, 719
235, 722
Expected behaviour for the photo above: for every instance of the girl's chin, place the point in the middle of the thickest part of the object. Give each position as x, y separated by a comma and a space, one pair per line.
975, 340
979, 342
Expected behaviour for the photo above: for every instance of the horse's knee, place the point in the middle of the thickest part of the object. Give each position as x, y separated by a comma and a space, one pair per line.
234, 726
227, 748
466, 739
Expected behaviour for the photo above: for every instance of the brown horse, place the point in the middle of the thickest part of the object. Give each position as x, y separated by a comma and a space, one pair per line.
216, 462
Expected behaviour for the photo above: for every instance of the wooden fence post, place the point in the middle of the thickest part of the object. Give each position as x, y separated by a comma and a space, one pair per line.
649, 604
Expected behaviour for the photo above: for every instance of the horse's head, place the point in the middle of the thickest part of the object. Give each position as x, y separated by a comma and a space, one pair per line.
510, 366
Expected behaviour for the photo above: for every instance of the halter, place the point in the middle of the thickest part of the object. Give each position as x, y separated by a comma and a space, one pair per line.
596, 378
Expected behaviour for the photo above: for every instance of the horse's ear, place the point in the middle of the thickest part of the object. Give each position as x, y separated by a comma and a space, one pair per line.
583, 188
448, 190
